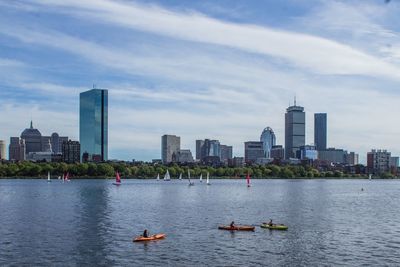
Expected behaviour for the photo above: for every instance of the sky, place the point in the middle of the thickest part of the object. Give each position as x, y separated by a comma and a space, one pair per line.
218, 69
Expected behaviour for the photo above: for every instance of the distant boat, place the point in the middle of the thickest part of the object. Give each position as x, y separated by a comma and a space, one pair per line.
59, 178
66, 177
167, 177
190, 182
117, 179
48, 177
180, 176
248, 179
370, 176
208, 178
201, 178
158, 177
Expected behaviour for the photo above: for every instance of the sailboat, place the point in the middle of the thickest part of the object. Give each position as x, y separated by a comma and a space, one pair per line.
190, 183
208, 178
117, 179
370, 176
248, 179
201, 178
65, 177
167, 177
180, 176
48, 177
158, 177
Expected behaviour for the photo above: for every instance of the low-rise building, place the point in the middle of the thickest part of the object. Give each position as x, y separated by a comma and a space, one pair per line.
277, 152
252, 151
16, 149
71, 151
332, 155
183, 156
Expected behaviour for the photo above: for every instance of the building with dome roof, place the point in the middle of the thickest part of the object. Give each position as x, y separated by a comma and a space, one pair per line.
33, 139
268, 139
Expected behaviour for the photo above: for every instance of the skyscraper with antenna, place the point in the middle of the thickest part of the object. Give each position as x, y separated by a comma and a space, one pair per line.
295, 130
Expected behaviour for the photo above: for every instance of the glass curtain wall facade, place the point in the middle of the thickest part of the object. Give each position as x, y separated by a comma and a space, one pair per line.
269, 140
93, 124
320, 130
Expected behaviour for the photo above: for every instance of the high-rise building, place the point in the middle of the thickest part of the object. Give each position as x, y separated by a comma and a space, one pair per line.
170, 144
71, 151
253, 150
57, 142
278, 152
320, 130
295, 130
226, 153
268, 139
33, 139
378, 161
183, 156
352, 158
199, 147
16, 149
93, 124
2, 149
208, 148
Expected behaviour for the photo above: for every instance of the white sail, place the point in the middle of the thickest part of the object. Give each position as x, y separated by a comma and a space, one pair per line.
208, 178
158, 176
167, 177
180, 176
190, 183
201, 178
48, 177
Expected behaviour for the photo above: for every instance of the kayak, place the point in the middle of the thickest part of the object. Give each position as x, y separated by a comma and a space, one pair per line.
150, 238
236, 228
274, 226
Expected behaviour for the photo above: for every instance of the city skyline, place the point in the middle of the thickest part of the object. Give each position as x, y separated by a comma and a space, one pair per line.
171, 84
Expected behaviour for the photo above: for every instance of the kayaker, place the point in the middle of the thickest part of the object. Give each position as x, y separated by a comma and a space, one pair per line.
270, 222
232, 224
145, 233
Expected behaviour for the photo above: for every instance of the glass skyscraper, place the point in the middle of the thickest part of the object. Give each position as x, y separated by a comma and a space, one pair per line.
295, 130
320, 130
268, 139
93, 124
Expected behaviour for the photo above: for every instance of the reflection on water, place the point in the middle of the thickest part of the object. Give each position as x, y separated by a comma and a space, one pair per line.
92, 223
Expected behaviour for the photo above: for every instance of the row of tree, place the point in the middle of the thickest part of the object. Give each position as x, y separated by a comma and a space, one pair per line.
30, 169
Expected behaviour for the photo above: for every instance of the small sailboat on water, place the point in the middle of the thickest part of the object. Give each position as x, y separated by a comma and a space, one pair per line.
201, 178
370, 176
248, 179
167, 177
180, 176
208, 179
117, 179
66, 177
190, 182
48, 177
158, 177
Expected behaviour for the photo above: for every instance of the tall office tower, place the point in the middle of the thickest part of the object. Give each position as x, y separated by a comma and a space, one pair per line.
170, 144
268, 139
2, 149
320, 130
33, 139
16, 149
226, 153
93, 124
199, 148
71, 151
295, 130
57, 142
253, 150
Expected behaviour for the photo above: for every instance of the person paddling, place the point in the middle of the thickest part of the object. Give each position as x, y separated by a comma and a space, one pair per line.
270, 222
232, 224
145, 233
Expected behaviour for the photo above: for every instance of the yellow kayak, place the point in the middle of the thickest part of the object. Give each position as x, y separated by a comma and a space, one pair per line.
274, 226
150, 238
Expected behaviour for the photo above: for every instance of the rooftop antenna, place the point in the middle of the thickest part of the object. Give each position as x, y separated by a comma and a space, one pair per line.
94, 86
295, 100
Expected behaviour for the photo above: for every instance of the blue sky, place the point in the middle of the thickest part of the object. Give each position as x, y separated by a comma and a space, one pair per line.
202, 69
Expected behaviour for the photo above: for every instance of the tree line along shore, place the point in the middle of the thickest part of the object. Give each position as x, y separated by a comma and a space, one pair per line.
150, 171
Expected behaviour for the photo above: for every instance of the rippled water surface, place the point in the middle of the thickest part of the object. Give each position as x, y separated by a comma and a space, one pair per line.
92, 222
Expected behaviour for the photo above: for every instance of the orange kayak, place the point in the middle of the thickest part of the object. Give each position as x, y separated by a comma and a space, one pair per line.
237, 228
150, 238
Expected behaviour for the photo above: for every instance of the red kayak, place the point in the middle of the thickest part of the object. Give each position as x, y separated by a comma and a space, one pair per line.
150, 238
236, 228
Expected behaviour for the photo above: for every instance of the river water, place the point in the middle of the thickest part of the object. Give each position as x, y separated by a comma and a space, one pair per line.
92, 223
